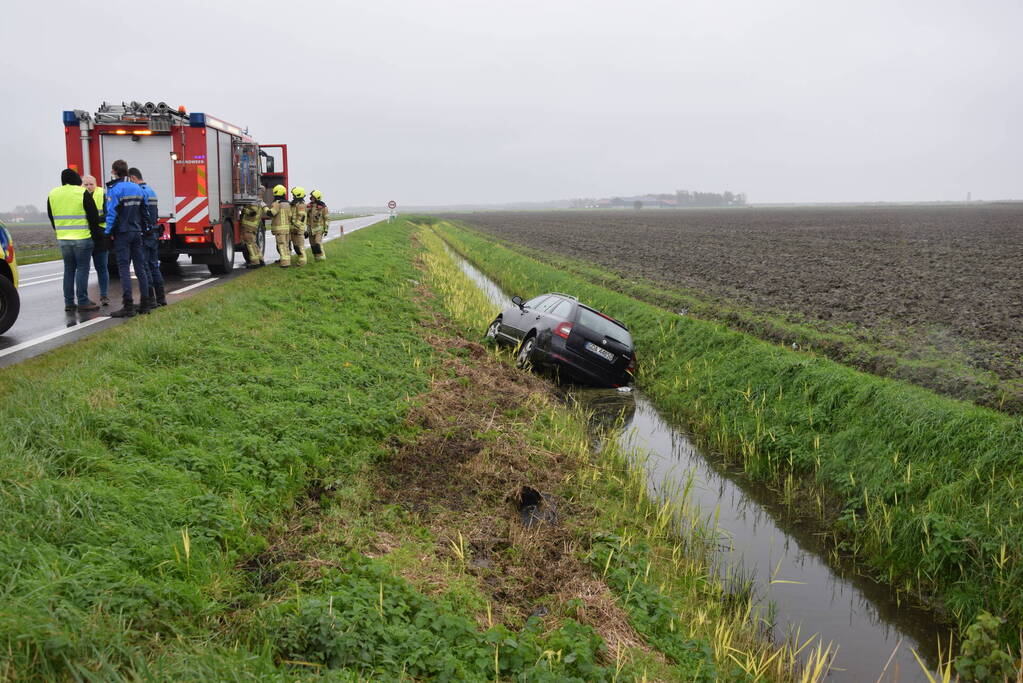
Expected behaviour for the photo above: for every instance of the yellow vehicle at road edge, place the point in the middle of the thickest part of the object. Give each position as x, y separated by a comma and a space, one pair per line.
10, 302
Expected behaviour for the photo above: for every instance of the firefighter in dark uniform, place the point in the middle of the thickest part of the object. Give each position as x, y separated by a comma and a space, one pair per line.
318, 224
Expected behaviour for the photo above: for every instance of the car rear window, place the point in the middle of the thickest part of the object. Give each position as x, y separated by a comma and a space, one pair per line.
604, 326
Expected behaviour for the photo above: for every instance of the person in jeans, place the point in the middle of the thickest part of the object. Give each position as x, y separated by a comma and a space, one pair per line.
100, 240
127, 219
66, 207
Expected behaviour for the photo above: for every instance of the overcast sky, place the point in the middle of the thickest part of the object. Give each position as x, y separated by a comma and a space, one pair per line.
475, 101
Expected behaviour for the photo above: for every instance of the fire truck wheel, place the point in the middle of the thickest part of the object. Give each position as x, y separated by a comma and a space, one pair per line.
227, 253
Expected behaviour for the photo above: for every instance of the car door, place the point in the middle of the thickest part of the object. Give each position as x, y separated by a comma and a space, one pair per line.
518, 321
541, 321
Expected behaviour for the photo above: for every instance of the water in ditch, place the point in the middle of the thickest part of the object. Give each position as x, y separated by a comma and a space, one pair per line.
800, 590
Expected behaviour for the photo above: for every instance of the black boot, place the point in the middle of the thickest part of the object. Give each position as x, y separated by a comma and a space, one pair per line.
147, 304
161, 295
127, 311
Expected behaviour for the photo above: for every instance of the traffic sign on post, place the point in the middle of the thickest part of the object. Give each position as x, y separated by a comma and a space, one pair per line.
392, 204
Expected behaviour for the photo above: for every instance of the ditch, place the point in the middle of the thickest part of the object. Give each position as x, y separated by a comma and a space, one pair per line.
801, 590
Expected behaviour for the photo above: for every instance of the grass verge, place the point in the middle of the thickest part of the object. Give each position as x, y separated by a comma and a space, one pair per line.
27, 255
922, 490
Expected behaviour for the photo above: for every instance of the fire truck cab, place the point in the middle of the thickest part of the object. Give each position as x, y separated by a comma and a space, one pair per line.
203, 170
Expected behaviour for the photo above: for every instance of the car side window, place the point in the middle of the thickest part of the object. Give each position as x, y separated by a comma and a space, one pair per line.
533, 303
548, 305
562, 309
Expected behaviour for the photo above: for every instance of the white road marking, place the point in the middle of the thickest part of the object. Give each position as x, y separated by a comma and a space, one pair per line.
197, 284
51, 335
22, 285
40, 277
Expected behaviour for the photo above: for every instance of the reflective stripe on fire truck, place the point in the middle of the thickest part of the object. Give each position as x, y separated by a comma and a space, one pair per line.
191, 209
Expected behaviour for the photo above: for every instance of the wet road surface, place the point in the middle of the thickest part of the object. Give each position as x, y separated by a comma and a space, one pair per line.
43, 325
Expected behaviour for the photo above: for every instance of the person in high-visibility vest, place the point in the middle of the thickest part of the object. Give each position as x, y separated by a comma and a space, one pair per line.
252, 224
65, 206
298, 222
100, 240
318, 224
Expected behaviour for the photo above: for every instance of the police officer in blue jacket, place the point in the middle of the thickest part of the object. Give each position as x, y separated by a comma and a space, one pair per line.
151, 241
127, 219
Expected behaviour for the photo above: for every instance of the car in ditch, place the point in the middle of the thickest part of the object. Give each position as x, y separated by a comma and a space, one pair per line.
577, 341
10, 302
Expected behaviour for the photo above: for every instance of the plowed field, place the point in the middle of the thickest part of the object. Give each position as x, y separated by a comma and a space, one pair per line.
947, 279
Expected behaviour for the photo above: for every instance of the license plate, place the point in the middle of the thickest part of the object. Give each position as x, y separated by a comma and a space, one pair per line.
603, 353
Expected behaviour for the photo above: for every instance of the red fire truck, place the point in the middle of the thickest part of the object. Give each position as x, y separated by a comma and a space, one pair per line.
202, 169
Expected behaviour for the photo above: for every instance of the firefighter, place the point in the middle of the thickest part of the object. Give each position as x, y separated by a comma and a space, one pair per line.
298, 222
156, 296
318, 224
280, 223
127, 217
252, 224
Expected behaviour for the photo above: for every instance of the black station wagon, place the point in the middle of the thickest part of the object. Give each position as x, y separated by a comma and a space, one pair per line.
556, 331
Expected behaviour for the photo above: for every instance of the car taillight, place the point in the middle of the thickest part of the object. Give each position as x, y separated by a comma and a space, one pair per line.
563, 330
631, 369
9, 256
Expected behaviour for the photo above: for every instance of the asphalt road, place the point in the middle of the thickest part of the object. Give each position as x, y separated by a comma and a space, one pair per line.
43, 325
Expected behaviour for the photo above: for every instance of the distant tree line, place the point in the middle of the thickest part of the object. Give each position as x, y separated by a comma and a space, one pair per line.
692, 198
26, 212
664, 200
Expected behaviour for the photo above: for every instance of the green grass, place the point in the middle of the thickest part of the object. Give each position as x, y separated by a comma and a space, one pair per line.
923, 490
141, 465
27, 255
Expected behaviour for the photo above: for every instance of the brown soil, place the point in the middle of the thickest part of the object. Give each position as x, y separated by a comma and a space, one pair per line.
32, 237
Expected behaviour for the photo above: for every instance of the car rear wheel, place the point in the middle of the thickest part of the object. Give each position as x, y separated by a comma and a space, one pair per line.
524, 358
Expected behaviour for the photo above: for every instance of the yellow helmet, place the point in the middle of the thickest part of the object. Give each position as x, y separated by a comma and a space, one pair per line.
298, 192
316, 194
280, 190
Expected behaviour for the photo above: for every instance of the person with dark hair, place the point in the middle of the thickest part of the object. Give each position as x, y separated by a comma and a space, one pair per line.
67, 209
127, 217
100, 241
151, 241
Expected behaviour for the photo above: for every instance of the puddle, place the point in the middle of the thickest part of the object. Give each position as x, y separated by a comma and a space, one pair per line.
798, 589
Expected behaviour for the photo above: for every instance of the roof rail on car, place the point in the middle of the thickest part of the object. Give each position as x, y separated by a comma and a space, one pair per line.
569, 296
